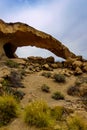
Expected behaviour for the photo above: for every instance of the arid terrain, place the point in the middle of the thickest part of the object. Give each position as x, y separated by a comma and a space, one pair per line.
57, 83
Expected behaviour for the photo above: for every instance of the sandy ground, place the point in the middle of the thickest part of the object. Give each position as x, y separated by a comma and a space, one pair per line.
32, 90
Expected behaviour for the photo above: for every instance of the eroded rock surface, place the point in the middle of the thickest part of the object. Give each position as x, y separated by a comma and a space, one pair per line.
13, 35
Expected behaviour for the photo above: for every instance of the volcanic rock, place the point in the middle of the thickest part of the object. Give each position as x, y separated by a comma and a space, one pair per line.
13, 35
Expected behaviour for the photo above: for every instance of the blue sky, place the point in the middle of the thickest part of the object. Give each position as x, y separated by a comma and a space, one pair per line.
66, 20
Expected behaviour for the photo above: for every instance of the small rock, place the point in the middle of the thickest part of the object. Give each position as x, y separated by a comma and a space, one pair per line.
54, 66
5, 71
46, 67
78, 71
50, 59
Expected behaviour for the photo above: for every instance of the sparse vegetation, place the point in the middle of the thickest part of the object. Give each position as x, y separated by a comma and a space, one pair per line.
58, 96
11, 84
38, 114
60, 78
45, 88
18, 94
12, 64
76, 123
46, 74
57, 112
8, 109
73, 91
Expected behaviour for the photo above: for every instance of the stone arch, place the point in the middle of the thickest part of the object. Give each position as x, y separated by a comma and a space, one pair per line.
13, 35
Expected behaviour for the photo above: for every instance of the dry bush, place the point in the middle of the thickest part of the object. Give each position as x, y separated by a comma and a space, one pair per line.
58, 96
37, 114
8, 109
76, 123
45, 88
60, 78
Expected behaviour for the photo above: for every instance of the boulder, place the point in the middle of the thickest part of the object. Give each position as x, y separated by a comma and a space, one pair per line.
66, 72
68, 63
78, 71
84, 68
13, 35
47, 67
77, 64
50, 59
4, 72
54, 65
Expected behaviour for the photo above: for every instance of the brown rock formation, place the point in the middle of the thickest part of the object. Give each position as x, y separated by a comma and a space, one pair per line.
13, 35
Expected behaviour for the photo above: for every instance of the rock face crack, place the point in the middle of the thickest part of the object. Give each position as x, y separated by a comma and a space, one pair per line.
13, 35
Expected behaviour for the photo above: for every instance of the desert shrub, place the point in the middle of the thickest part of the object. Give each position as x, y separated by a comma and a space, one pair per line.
18, 94
45, 88
5, 82
8, 109
76, 123
12, 64
13, 80
11, 83
6, 86
37, 114
46, 74
57, 112
59, 78
58, 96
73, 91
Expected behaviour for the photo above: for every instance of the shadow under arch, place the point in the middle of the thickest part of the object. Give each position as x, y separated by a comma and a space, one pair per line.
9, 50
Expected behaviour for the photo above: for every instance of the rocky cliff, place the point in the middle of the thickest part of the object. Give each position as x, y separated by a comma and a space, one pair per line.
13, 35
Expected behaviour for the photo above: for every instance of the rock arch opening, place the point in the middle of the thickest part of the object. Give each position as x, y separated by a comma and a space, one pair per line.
9, 51
26, 51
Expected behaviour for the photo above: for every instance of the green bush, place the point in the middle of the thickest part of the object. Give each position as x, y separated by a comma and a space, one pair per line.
57, 112
46, 74
6, 83
60, 78
45, 88
8, 109
12, 64
37, 114
76, 123
58, 96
